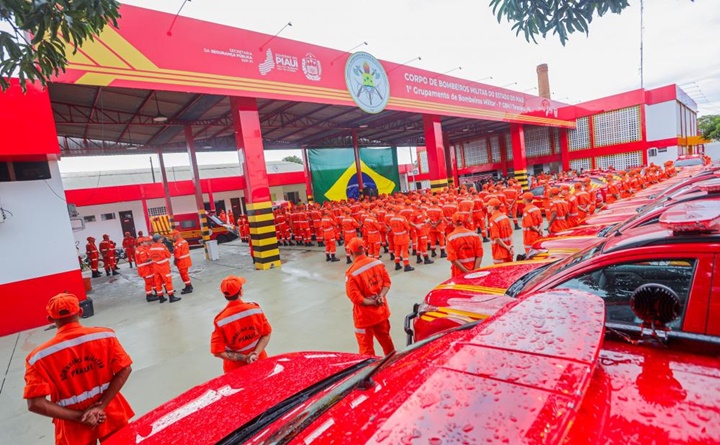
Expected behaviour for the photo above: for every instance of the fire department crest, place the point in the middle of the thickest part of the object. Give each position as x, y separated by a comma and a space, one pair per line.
367, 82
311, 67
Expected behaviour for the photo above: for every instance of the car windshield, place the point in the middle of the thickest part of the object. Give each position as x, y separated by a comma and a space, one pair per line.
688, 162
541, 274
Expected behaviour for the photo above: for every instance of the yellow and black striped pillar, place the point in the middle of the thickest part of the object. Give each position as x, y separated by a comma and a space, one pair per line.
309, 198
521, 176
262, 235
438, 184
204, 231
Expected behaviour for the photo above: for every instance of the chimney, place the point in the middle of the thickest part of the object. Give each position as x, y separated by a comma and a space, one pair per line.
543, 81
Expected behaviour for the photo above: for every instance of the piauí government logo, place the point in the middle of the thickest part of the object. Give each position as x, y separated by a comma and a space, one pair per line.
367, 82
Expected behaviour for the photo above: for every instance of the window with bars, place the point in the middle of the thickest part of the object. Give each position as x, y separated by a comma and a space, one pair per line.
157, 211
476, 152
508, 146
619, 161
537, 141
495, 149
617, 127
423, 166
580, 164
579, 138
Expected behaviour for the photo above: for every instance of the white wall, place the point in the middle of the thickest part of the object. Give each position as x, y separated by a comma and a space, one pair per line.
670, 155
37, 240
713, 150
111, 227
661, 121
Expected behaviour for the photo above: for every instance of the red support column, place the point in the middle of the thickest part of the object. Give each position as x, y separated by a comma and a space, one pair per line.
248, 137
503, 154
435, 152
564, 149
517, 136
199, 203
308, 176
166, 188
358, 166
451, 171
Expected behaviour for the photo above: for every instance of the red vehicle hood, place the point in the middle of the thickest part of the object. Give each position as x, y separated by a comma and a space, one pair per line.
484, 287
611, 217
567, 245
209, 412
583, 230
630, 202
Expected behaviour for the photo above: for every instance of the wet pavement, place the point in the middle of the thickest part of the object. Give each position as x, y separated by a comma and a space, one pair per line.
304, 300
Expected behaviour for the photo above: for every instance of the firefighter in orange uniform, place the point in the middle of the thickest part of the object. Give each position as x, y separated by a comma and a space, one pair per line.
82, 371
583, 202
500, 233
511, 198
241, 332
573, 214
160, 256
557, 221
349, 227
129, 244
181, 252
421, 228
145, 268
327, 223
479, 216
401, 240
464, 247
93, 255
531, 222
613, 193
436, 226
371, 229
367, 284
107, 250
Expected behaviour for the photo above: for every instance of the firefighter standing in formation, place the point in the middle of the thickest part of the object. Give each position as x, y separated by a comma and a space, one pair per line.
241, 332
531, 222
366, 285
500, 233
161, 268
181, 252
82, 371
146, 269
464, 247
107, 250
93, 255
129, 243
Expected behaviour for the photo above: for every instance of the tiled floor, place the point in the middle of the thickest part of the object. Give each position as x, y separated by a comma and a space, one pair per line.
304, 301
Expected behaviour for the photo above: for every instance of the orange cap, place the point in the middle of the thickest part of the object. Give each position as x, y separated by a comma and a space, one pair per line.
494, 202
578, 185
565, 187
458, 218
90, 238
63, 305
554, 191
528, 196
127, 233
586, 180
106, 236
356, 245
232, 285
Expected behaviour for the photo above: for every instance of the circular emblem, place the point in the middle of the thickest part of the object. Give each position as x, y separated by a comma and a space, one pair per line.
311, 67
367, 82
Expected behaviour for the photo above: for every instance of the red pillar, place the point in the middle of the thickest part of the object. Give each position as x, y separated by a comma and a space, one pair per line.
358, 167
199, 203
564, 149
435, 152
451, 171
517, 136
248, 137
503, 154
308, 176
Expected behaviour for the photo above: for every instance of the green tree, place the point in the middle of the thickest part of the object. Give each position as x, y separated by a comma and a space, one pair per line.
562, 17
292, 158
709, 127
35, 48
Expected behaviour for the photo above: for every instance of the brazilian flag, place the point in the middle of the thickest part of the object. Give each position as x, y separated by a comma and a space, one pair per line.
334, 176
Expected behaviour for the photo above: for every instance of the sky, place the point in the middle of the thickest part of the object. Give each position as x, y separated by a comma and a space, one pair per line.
680, 46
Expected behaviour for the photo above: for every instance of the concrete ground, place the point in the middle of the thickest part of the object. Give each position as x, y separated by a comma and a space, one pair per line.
304, 300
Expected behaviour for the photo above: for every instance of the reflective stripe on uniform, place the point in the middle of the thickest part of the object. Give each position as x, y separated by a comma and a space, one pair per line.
366, 267
161, 261
359, 330
74, 400
239, 316
184, 256
467, 260
460, 235
146, 264
69, 344
250, 346
500, 218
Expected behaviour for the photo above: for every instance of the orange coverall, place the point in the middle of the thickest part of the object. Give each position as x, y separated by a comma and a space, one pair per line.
465, 246
93, 254
365, 279
436, 226
401, 238
129, 245
371, 228
532, 217
328, 229
181, 252
557, 205
500, 228
160, 256
74, 369
107, 250
145, 268
238, 328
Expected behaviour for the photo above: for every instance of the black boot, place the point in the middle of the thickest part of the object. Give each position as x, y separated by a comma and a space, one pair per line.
321, 244
173, 298
334, 259
348, 260
386, 249
116, 268
115, 272
340, 242
409, 268
443, 254
327, 257
392, 256
414, 252
162, 298
131, 266
419, 259
187, 290
433, 253
517, 227
428, 261
398, 266
96, 274
485, 239
150, 298
107, 273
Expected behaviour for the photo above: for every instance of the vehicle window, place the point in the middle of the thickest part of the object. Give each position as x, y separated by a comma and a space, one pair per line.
616, 283
531, 279
688, 162
188, 224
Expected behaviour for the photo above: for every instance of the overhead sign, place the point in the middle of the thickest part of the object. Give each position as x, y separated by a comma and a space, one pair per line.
209, 58
367, 82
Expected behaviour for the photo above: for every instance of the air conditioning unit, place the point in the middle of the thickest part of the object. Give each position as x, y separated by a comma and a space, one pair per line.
72, 211
652, 152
